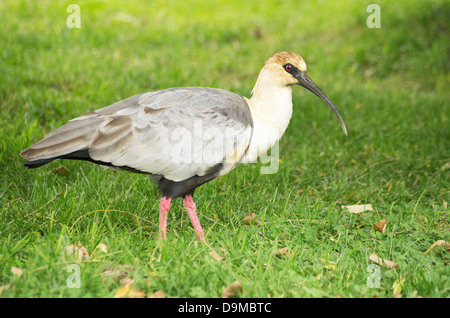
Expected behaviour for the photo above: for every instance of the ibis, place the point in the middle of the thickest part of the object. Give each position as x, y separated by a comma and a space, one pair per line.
183, 137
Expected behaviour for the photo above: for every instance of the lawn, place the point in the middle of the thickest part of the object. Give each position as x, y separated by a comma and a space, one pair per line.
390, 84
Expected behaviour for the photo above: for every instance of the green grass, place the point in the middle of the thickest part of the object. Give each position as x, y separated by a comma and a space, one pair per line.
390, 85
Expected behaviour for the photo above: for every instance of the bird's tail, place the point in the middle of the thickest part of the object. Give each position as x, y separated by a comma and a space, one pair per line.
70, 141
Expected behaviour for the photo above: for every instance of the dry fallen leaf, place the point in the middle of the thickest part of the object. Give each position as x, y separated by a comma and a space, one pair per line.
397, 288
129, 292
232, 290
77, 250
440, 243
359, 208
101, 247
378, 260
61, 170
123, 291
283, 251
216, 256
250, 218
134, 293
157, 294
380, 226
16, 271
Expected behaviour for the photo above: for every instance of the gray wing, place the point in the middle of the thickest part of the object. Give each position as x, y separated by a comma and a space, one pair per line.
177, 133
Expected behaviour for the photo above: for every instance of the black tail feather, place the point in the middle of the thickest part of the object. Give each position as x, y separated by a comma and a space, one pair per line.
79, 155
38, 163
76, 155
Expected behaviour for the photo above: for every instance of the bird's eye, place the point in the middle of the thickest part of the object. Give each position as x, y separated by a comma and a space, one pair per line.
288, 67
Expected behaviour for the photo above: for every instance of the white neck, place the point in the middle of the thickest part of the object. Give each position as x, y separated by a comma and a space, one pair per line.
271, 108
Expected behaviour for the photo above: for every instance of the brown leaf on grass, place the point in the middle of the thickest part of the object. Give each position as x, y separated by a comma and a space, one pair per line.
134, 293
77, 250
358, 208
439, 243
216, 256
380, 226
283, 251
101, 247
61, 170
232, 290
157, 294
379, 261
397, 288
120, 275
123, 291
251, 218
16, 271
129, 292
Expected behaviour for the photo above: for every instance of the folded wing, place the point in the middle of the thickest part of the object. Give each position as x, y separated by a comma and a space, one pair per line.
177, 133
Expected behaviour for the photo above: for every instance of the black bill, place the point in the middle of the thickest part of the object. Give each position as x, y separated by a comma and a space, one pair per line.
305, 81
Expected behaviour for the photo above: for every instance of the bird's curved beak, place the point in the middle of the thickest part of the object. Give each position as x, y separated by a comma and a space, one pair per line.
305, 81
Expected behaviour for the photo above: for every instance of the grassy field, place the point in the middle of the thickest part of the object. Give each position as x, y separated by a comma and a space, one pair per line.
390, 85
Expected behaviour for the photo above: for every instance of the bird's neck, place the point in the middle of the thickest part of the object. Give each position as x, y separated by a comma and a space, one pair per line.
271, 102
271, 108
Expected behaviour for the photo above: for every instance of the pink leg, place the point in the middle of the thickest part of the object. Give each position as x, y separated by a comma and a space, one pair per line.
190, 207
164, 207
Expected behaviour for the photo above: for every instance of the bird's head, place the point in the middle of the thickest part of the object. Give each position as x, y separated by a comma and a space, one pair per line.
287, 68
